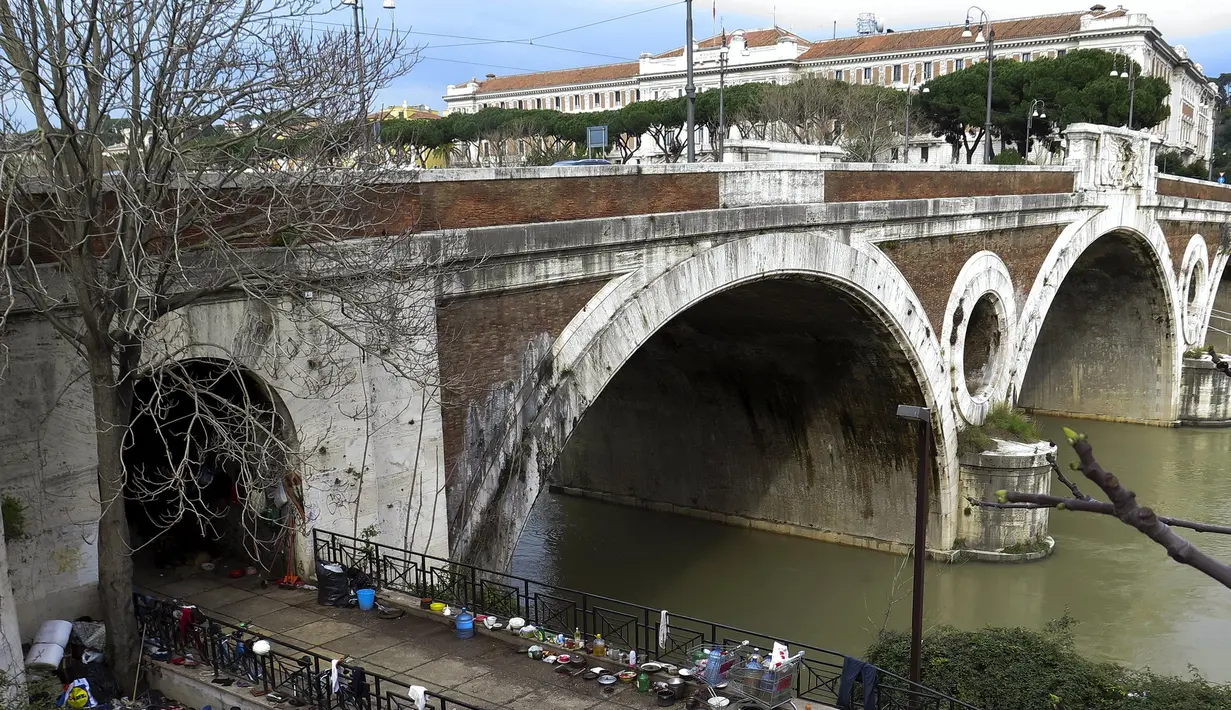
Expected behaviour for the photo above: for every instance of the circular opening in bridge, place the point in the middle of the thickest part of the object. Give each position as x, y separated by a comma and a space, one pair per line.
981, 347
1195, 282
208, 458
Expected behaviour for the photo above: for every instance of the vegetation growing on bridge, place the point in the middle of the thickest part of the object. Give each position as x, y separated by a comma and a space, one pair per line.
1024, 669
1003, 422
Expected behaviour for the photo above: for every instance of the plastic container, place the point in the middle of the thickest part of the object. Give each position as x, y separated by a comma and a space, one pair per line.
54, 632
465, 625
367, 598
44, 656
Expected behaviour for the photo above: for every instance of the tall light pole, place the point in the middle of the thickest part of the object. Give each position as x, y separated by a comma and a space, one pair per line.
1031, 114
357, 6
923, 475
723, 55
690, 91
988, 31
910, 94
1129, 73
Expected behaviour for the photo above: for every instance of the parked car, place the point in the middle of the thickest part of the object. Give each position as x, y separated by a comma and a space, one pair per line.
584, 161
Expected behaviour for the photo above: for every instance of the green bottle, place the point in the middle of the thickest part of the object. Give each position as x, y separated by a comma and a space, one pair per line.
643, 682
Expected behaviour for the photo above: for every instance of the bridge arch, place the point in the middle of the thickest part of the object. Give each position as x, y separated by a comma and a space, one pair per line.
1214, 326
1101, 329
652, 309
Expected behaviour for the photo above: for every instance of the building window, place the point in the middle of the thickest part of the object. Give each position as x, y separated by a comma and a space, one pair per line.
1027, 56
679, 92
897, 72
637, 95
556, 103
619, 97
959, 65
927, 71
538, 103
577, 101
923, 154
837, 75
501, 104
598, 100
1061, 52
867, 75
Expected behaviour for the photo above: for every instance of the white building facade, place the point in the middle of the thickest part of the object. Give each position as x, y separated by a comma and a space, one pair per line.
895, 59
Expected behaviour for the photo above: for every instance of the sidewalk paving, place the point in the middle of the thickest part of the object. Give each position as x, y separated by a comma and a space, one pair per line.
482, 671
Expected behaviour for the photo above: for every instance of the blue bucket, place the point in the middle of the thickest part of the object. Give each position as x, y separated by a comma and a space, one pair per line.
367, 598
465, 625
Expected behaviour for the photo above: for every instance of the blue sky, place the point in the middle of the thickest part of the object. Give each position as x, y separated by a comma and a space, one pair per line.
1204, 31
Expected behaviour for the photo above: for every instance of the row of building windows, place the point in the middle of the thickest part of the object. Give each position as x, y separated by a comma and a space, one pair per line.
895, 74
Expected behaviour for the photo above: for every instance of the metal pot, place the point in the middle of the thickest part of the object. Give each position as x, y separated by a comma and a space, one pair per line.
677, 686
666, 698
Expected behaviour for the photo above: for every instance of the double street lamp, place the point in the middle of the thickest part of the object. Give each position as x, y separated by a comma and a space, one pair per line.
910, 95
723, 56
1036, 110
987, 33
357, 7
1129, 72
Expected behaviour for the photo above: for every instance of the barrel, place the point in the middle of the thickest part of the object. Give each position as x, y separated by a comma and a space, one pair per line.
465, 625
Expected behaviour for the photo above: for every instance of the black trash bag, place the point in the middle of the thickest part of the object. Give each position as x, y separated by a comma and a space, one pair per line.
359, 579
103, 687
332, 585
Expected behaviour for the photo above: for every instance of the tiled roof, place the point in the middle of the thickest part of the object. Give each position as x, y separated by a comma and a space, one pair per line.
753, 38
560, 77
1041, 26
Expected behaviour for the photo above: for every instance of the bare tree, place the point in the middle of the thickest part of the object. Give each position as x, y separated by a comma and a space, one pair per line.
1123, 505
808, 111
164, 152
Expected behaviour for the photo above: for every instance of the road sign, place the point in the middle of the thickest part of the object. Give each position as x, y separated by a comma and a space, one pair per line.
596, 137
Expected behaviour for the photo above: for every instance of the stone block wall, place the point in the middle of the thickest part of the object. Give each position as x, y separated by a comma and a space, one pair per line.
1205, 394
1012, 467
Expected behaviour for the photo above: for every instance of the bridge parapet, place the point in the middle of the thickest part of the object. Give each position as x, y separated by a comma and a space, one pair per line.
1106, 158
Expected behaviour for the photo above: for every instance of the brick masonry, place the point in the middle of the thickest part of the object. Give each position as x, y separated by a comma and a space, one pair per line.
931, 265
482, 341
1172, 187
863, 186
484, 203
1178, 233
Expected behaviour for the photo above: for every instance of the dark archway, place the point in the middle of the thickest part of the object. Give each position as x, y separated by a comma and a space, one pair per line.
773, 401
209, 462
1219, 332
1107, 344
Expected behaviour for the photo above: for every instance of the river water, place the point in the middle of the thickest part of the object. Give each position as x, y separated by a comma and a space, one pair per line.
1134, 604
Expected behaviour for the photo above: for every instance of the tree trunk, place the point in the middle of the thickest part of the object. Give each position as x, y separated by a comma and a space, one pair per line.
115, 568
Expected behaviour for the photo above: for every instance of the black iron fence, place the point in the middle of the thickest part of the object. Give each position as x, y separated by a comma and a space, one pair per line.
226, 653
622, 624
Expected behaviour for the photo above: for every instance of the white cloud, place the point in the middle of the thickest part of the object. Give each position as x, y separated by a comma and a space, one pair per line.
1175, 18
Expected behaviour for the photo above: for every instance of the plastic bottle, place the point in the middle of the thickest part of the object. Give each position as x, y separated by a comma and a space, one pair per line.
753, 676
576, 638
713, 667
643, 682
600, 646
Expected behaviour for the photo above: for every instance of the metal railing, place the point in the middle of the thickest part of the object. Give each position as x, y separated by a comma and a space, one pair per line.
623, 625
224, 651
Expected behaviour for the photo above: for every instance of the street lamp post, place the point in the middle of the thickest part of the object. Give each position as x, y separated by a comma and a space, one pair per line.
1031, 114
923, 475
910, 93
723, 55
986, 29
1129, 73
689, 90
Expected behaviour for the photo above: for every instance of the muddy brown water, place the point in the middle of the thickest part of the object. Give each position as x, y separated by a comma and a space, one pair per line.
1134, 604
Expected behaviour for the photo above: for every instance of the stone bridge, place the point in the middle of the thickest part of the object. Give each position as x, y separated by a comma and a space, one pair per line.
729, 341
732, 341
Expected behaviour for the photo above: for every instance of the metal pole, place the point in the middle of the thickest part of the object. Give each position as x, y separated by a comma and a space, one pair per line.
1132, 92
923, 477
906, 148
991, 60
690, 91
363, 104
722, 108
1029, 122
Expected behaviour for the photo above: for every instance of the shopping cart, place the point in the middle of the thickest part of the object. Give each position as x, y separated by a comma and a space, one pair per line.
762, 686
712, 662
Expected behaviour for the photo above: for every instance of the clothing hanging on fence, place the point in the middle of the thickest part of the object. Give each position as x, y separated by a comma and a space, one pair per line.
854, 669
663, 629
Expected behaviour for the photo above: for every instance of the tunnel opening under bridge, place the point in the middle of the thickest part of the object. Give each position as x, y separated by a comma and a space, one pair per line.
1106, 348
771, 404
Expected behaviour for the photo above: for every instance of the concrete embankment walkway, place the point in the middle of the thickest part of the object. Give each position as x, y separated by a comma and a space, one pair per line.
484, 671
